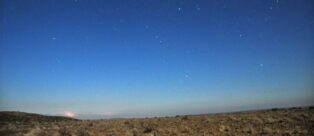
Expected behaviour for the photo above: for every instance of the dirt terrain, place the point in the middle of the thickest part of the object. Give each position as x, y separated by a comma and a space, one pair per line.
289, 121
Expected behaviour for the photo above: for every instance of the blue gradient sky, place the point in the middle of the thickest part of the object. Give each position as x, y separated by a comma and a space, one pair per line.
137, 58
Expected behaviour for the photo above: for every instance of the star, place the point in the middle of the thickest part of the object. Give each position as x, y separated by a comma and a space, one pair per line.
197, 7
271, 8
277, 1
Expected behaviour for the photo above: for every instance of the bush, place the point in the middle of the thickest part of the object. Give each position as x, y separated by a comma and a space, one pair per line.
126, 123
148, 130
65, 132
184, 118
82, 132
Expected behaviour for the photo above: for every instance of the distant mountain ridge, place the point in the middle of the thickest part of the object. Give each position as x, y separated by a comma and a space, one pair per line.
11, 116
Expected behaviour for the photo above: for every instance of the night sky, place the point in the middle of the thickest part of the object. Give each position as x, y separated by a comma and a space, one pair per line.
139, 58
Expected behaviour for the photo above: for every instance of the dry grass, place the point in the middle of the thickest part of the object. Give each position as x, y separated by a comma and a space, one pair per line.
293, 121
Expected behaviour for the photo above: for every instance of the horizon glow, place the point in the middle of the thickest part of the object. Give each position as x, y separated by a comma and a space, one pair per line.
69, 114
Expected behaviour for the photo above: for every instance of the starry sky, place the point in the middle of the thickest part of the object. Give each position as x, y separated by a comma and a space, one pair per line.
142, 58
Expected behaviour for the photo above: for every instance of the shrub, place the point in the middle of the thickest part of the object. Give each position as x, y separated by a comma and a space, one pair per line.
65, 132
148, 130
82, 132
184, 118
126, 122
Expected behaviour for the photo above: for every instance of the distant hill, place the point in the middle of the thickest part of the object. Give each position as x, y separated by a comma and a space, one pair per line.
12, 116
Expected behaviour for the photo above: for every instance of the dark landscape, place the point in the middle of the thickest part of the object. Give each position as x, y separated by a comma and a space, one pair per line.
286, 121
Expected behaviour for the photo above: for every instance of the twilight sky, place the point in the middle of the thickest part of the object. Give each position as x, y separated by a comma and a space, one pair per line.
138, 58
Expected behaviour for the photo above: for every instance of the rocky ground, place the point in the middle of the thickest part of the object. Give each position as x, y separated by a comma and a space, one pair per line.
290, 121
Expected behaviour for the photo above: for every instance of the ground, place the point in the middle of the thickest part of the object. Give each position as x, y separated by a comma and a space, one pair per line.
288, 121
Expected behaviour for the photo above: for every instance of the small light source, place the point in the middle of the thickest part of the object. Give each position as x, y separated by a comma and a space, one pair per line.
69, 114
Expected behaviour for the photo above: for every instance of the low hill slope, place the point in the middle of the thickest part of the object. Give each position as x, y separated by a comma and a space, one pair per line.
11, 116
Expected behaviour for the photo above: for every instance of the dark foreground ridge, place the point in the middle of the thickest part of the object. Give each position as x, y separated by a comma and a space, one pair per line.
12, 116
287, 121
